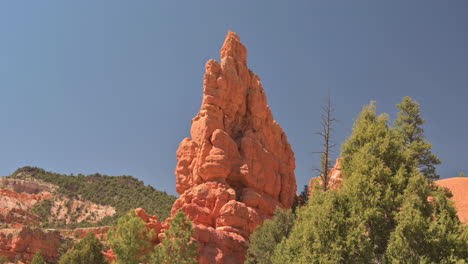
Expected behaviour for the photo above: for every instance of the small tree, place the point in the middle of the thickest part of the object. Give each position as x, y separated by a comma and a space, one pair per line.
130, 241
38, 259
301, 199
178, 246
88, 250
462, 174
265, 237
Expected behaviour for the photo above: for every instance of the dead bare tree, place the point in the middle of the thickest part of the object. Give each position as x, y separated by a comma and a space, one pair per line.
327, 120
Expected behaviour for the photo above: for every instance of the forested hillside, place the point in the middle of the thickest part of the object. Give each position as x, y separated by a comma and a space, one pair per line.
121, 192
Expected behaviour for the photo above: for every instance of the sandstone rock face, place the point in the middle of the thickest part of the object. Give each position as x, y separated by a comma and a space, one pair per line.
15, 207
24, 243
30, 187
459, 188
73, 210
238, 166
335, 175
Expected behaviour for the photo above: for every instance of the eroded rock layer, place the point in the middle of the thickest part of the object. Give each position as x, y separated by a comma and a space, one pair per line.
26, 242
238, 166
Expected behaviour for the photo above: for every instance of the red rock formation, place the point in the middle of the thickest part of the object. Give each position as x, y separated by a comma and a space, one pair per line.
238, 166
459, 188
25, 186
14, 207
24, 243
110, 255
151, 223
335, 175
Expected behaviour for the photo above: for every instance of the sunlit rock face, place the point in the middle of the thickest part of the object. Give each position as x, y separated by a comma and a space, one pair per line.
24, 243
459, 188
238, 166
335, 177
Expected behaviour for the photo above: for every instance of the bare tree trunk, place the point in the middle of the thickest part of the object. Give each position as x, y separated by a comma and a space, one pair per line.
326, 134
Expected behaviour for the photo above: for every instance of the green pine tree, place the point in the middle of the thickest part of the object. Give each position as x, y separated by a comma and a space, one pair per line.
409, 126
86, 251
130, 241
380, 210
428, 229
265, 238
178, 246
317, 235
38, 259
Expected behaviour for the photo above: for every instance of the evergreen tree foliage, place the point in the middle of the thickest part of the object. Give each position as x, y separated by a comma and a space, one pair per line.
386, 210
304, 196
130, 241
428, 229
3, 259
178, 246
265, 238
38, 259
88, 250
318, 233
408, 124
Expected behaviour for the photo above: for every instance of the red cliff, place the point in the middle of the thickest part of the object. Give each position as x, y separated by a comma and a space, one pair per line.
24, 243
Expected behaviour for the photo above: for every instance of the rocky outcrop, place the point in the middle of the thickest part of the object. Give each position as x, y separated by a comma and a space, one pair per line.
15, 207
335, 177
458, 186
77, 211
238, 166
20, 186
22, 244
78, 233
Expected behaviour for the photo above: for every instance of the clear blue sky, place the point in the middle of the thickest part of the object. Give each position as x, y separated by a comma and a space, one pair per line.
111, 86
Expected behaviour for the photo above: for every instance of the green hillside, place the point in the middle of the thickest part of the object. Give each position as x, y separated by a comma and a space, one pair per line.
121, 192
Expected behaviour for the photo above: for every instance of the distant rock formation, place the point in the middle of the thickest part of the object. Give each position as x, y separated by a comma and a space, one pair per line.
18, 197
19, 241
459, 188
30, 187
335, 177
15, 207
